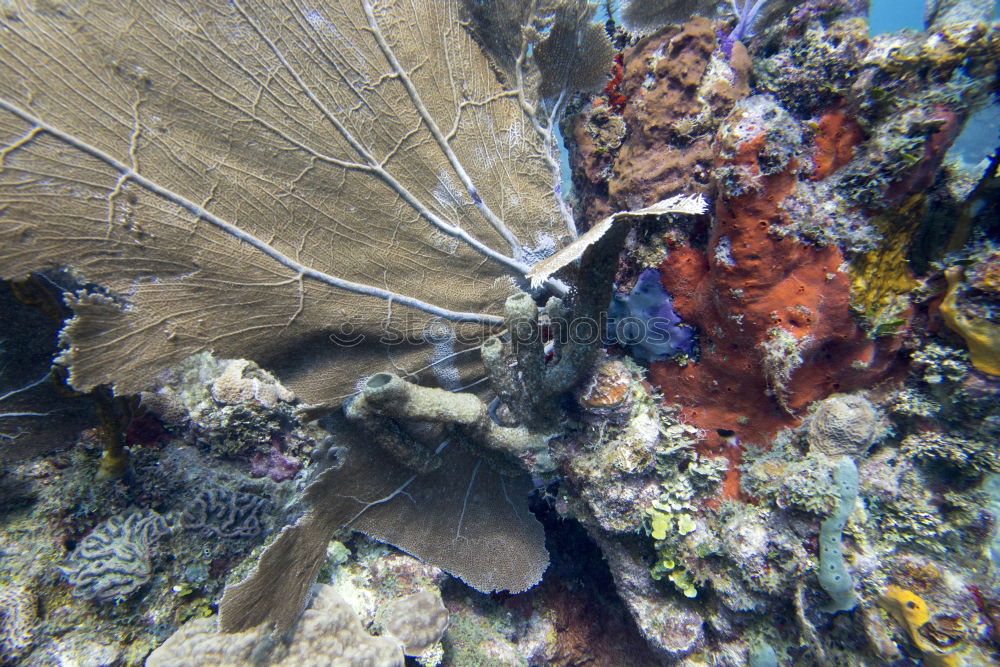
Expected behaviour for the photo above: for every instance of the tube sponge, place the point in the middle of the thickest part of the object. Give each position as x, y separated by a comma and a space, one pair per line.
645, 321
833, 574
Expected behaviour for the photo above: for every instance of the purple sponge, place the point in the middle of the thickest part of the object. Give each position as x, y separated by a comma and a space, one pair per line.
644, 321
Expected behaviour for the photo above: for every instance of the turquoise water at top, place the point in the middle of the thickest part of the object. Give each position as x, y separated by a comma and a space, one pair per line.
892, 15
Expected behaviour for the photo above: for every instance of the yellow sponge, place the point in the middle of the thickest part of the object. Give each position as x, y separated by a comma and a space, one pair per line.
982, 336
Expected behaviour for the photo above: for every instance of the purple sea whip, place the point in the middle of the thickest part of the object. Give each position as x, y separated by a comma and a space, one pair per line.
746, 13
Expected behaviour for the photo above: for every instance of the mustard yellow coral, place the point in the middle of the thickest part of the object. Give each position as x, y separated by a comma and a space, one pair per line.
881, 279
982, 336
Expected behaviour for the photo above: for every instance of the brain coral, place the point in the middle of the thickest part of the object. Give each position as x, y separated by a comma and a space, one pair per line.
114, 559
843, 425
225, 513
17, 616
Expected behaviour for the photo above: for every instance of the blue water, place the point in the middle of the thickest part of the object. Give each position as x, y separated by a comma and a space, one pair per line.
892, 15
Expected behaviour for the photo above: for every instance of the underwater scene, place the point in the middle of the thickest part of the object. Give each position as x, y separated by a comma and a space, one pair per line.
500, 333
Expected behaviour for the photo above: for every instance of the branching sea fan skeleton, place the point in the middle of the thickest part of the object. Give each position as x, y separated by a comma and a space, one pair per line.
272, 180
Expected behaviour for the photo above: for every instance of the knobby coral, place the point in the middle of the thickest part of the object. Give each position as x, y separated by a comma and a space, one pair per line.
329, 630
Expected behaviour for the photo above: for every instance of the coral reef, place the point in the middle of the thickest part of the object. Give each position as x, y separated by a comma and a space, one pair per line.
327, 628
486, 538
776, 446
804, 287
113, 561
61, 512
234, 409
973, 458
225, 513
774, 315
17, 618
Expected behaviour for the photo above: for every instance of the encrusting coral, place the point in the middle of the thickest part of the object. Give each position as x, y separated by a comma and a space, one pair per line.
417, 621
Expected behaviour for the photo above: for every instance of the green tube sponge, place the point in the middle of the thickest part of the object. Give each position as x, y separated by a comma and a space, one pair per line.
833, 574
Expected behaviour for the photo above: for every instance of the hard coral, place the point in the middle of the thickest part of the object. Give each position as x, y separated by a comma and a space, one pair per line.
225, 513
18, 610
418, 621
114, 559
328, 632
609, 389
790, 480
844, 425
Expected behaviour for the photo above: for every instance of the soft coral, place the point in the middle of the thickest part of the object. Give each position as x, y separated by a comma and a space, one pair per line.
746, 15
